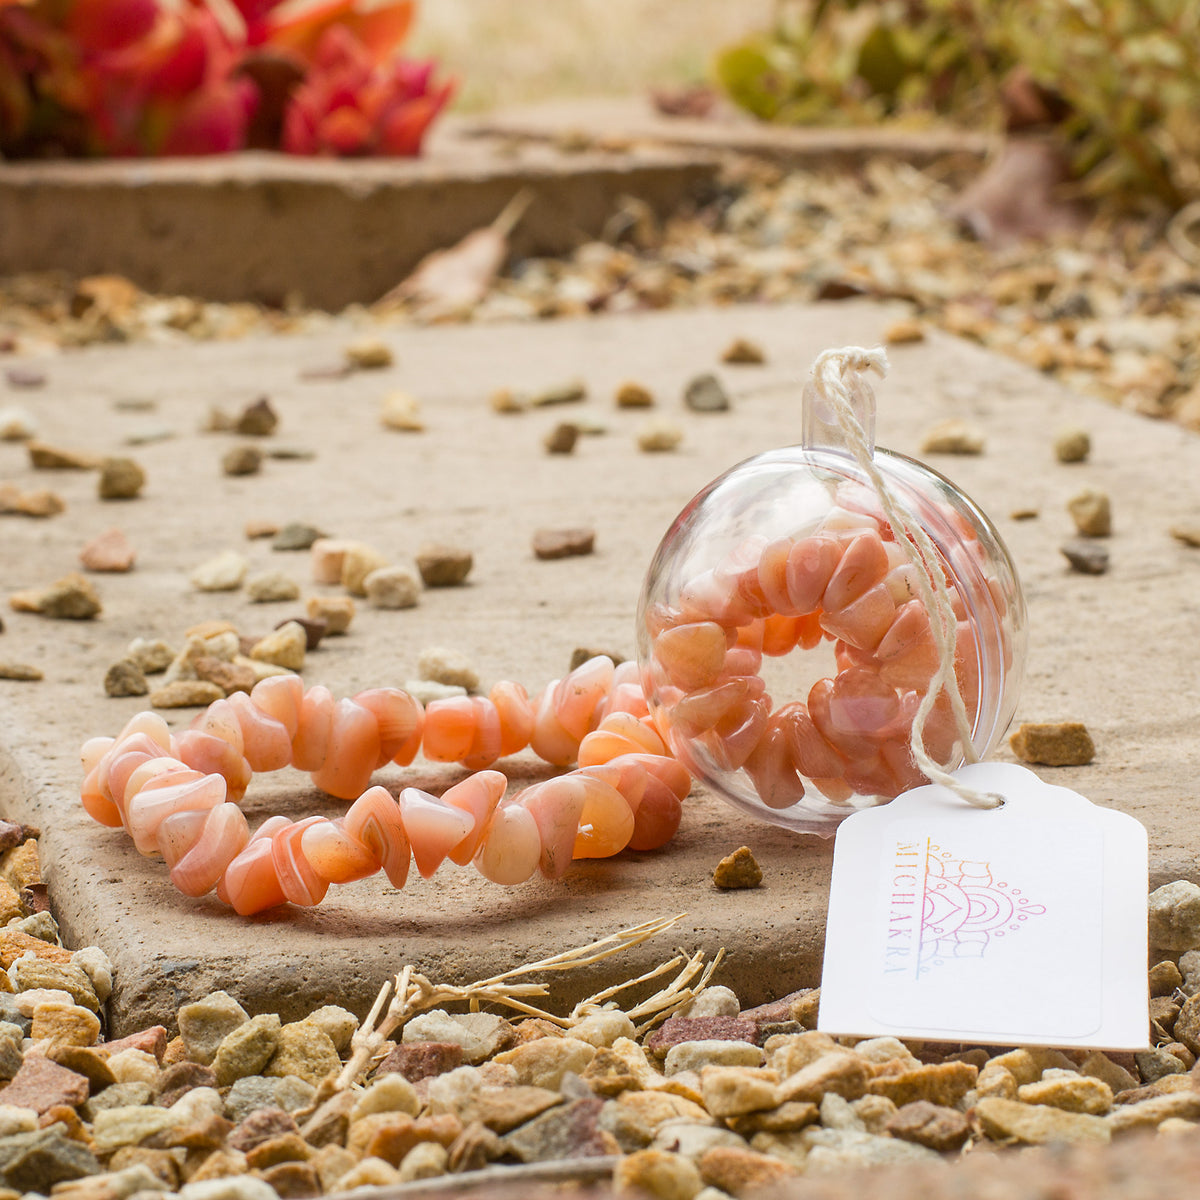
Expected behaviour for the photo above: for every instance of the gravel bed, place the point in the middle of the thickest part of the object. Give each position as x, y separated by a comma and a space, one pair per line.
712, 1101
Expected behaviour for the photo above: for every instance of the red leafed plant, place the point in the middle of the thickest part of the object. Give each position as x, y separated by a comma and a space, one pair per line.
149, 77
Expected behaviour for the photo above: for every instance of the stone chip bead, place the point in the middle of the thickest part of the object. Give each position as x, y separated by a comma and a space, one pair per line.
177, 794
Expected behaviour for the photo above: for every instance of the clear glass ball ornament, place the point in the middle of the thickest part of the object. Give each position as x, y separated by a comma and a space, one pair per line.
783, 641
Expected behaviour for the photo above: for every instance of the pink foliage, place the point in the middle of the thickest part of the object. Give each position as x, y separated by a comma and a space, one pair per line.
145, 77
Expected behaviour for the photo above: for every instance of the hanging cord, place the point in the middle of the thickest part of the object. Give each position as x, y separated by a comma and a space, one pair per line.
829, 379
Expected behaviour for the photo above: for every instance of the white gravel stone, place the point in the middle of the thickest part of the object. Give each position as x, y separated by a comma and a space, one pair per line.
426, 690
133, 1066
393, 587
338, 1023
692, 1056
95, 964
232, 1187
151, 656
272, 587
603, 1028
284, 647
391, 1093
717, 1001
693, 1139
14, 1119
477, 1033
224, 573
1175, 916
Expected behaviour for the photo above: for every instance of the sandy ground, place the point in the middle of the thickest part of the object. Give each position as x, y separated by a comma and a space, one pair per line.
512, 51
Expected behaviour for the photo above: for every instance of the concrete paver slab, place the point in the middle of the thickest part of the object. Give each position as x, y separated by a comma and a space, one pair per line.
275, 228
1116, 651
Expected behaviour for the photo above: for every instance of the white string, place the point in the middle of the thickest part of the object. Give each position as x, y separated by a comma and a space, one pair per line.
829, 379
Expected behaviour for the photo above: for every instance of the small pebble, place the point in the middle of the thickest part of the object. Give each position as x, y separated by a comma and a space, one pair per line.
295, 535
1053, 744
17, 424
242, 460
634, 395
336, 611
400, 411
570, 392
314, 629
271, 587
320, 374
148, 435
582, 654
186, 693
505, 400
1025, 513
19, 671
904, 332
257, 528
43, 457
109, 551
659, 435
230, 677
369, 354
224, 573
359, 561
738, 870
25, 377
705, 393
1091, 511
444, 566
563, 543
392, 587
1187, 532
954, 436
562, 438
71, 598
1072, 445
291, 453
284, 647
743, 352
152, 657
1086, 557
125, 678
442, 665
41, 502
120, 479
428, 690
257, 419
135, 404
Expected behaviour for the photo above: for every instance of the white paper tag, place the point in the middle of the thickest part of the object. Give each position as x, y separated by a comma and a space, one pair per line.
1023, 925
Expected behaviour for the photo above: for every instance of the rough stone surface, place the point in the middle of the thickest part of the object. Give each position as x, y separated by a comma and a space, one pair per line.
1091, 510
1038, 1124
1175, 916
444, 566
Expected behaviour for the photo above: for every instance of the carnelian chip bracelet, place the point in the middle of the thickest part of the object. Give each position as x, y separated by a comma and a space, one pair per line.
177, 794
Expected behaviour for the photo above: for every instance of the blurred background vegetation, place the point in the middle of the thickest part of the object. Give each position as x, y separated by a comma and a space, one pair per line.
1118, 81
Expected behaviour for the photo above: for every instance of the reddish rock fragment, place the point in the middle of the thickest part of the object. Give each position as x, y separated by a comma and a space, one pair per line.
152, 1041
933, 1125
421, 1060
41, 1084
701, 1029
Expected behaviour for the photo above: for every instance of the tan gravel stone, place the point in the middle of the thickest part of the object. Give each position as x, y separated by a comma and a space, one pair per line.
1100, 1066
186, 693
1053, 744
358, 561
659, 435
306, 1050
953, 436
1037, 1124
401, 411
738, 870
732, 1091
741, 1172
71, 1024
657, 1173
840, 1072
44, 457
284, 647
743, 352
369, 354
939, 1083
120, 479
336, 611
1072, 445
542, 1063
634, 395
1150, 1113
1091, 511
1077, 1093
